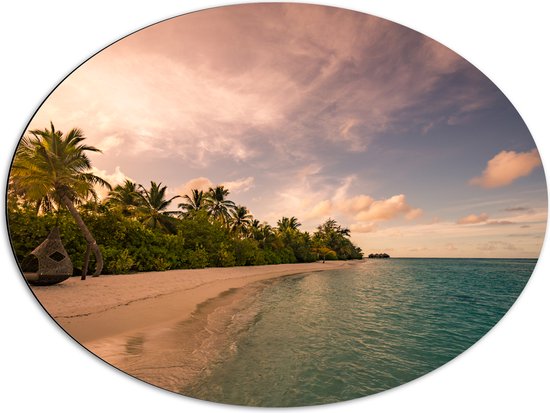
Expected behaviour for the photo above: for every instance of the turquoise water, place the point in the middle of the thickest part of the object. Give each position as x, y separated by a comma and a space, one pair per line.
337, 335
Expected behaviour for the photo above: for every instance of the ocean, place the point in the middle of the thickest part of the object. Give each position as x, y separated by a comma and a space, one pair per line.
337, 335
330, 336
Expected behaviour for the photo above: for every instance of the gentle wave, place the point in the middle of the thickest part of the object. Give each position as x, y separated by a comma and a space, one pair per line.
337, 335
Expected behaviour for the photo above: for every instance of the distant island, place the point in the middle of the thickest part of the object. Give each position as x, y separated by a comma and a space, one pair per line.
383, 255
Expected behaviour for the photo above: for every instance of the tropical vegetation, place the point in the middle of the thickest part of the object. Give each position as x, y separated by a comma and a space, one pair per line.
134, 227
51, 170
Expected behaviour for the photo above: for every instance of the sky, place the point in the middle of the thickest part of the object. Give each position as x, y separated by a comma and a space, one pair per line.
315, 112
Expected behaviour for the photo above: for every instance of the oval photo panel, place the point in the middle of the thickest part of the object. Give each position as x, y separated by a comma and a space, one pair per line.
277, 205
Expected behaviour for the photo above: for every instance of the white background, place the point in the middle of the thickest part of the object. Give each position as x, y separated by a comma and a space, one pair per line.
42, 369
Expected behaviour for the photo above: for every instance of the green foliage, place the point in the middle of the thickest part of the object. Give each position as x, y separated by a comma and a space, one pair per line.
332, 236
331, 255
198, 240
118, 262
197, 258
225, 257
246, 251
134, 229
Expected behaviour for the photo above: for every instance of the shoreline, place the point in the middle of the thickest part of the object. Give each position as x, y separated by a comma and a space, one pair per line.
110, 306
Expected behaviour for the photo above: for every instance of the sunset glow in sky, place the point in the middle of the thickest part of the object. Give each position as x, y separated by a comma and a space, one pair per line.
316, 112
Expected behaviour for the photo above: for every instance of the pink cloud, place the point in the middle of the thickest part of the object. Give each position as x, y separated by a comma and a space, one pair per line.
497, 245
181, 88
363, 228
506, 167
414, 213
386, 209
365, 208
239, 185
355, 204
503, 222
203, 184
473, 219
319, 210
116, 178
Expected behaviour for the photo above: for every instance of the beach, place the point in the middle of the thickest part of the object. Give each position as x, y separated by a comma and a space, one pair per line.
164, 328
109, 306
291, 334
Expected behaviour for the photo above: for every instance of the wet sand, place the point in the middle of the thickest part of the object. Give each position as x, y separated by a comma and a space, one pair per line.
110, 306
166, 328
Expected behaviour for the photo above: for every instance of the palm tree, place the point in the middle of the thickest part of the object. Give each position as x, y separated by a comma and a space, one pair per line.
193, 203
217, 204
344, 231
286, 224
241, 220
50, 168
333, 236
263, 233
330, 226
125, 197
255, 228
153, 207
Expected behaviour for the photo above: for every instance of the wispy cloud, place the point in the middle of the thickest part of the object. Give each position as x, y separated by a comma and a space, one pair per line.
517, 209
295, 119
185, 90
497, 245
364, 227
502, 222
473, 219
239, 185
361, 212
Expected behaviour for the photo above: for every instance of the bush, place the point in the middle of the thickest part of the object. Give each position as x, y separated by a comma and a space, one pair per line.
225, 257
118, 263
331, 255
197, 258
128, 246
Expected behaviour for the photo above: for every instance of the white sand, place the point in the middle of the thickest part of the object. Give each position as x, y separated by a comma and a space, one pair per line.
108, 306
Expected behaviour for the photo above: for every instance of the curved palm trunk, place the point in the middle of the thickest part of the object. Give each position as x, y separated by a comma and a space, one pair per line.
92, 244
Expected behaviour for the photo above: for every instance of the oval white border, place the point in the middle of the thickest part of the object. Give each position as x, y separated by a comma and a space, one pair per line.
42, 369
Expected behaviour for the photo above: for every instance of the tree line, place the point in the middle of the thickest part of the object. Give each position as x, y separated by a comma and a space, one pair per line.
134, 229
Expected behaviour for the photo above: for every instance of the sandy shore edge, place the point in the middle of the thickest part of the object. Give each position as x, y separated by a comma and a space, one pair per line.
109, 306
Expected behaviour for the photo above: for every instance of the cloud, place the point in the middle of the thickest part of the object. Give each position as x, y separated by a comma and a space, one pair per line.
473, 219
200, 183
359, 208
308, 197
181, 89
347, 132
414, 213
355, 204
116, 178
497, 245
503, 222
203, 184
386, 209
418, 249
517, 209
240, 185
320, 210
110, 142
450, 247
506, 167
363, 227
